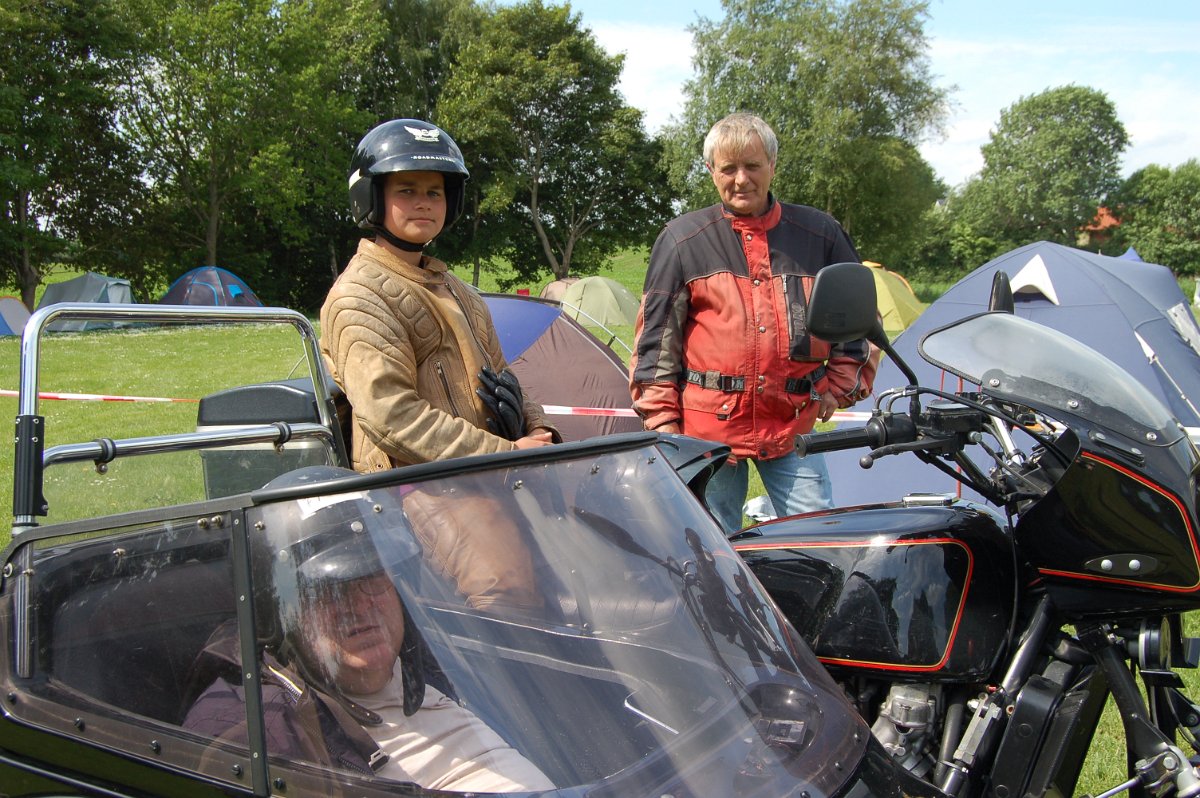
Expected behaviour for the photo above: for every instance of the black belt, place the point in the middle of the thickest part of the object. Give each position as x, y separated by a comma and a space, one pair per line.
716, 381
728, 383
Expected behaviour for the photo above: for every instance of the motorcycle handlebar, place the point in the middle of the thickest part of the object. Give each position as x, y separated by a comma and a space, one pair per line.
878, 431
832, 441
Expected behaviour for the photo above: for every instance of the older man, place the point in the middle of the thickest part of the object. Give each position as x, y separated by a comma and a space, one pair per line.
343, 674
723, 350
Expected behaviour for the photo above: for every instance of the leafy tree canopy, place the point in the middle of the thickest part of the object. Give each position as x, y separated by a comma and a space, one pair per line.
242, 114
1049, 164
67, 184
1159, 210
565, 168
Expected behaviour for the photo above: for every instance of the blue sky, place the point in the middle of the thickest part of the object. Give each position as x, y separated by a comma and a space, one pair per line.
1144, 56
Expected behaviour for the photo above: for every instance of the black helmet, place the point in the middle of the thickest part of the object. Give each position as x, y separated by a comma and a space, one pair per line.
337, 537
403, 145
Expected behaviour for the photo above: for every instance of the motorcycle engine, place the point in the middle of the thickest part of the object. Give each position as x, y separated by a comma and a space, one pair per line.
907, 725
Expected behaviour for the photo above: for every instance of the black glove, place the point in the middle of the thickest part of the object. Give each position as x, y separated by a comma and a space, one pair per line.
501, 393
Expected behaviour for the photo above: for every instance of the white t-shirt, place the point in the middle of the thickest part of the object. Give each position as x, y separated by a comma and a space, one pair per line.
444, 746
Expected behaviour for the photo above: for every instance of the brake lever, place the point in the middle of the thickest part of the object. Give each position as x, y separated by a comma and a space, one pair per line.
933, 445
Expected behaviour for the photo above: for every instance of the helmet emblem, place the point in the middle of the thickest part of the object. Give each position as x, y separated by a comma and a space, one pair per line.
421, 134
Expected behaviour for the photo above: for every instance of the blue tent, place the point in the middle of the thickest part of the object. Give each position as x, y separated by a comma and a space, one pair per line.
565, 367
210, 285
1132, 312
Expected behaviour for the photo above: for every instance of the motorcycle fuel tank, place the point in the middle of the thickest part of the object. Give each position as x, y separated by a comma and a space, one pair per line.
922, 587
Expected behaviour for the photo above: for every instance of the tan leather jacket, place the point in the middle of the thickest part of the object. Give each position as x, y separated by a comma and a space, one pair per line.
405, 344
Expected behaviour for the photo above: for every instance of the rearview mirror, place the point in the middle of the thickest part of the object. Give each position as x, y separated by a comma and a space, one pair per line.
843, 306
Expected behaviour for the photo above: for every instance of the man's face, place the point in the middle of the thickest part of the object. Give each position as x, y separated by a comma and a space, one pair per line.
353, 631
415, 205
743, 179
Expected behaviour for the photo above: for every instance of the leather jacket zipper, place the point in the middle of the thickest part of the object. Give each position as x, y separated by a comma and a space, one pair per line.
437, 364
470, 326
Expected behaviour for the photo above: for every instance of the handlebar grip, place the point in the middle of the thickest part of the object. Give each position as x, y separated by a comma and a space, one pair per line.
834, 440
880, 430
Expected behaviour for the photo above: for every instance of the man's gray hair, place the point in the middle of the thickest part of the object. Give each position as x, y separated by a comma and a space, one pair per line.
733, 136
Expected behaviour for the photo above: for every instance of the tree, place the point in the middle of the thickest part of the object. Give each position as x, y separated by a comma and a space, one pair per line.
848, 91
1049, 164
566, 168
248, 106
414, 55
1159, 209
67, 182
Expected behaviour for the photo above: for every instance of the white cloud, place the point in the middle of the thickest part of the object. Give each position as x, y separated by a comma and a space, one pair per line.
658, 59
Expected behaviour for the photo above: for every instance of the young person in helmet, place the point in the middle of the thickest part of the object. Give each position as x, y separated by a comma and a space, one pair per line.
346, 678
414, 350
412, 346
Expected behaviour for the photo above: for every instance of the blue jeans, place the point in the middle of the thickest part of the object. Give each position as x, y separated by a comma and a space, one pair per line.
795, 484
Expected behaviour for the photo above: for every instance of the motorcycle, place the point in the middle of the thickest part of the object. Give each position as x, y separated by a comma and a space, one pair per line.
981, 641
642, 659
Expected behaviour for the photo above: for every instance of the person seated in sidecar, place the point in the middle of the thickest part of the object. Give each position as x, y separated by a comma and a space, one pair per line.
347, 680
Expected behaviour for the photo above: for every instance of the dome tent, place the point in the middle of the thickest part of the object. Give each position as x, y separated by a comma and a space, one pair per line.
1132, 312
898, 305
581, 383
210, 285
600, 301
87, 287
13, 315
556, 288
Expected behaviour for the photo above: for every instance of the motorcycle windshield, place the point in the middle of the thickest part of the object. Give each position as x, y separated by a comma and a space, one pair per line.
1012, 357
580, 626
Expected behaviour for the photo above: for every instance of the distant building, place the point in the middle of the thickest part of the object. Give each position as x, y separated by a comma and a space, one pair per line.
1099, 231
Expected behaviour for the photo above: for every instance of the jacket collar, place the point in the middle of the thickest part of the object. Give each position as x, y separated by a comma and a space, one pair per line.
756, 224
430, 270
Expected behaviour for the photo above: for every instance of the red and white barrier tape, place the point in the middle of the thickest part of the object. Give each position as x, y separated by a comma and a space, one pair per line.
553, 410
564, 410
99, 397
626, 412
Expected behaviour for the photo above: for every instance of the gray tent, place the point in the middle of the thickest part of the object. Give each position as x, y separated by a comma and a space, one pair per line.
1132, 312
87, 287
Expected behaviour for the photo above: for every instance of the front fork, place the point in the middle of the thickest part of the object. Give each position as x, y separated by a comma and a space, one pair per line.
1157, 765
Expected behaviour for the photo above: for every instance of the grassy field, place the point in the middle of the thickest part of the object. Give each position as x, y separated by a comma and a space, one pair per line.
187, 363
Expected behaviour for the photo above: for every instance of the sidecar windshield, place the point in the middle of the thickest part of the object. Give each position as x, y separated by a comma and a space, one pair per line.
587, 614
1012, 357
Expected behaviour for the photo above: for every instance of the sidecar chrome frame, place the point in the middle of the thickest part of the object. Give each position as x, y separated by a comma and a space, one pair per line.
31, 457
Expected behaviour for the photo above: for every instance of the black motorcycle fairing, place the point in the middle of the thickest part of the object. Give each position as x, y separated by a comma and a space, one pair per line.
1111, 538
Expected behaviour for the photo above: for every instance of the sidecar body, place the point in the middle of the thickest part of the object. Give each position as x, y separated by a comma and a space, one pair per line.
643, 659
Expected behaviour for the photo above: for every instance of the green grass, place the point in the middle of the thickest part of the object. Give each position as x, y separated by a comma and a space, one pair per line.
191, 362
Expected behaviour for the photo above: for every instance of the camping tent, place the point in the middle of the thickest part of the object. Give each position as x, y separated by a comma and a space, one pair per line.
898, 305
600, 301
556, 288
583, 385
210, 285
1132, 312
87, 287
13, 315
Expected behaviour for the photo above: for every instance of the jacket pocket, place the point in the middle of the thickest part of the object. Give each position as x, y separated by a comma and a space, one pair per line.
719, 404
